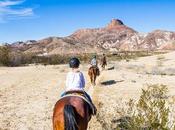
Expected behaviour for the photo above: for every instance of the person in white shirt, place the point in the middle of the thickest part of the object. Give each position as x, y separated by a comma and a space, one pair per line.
75, 79
94, 63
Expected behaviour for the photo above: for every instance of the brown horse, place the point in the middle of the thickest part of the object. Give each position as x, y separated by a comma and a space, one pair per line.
71, 113
93, 73
103, 62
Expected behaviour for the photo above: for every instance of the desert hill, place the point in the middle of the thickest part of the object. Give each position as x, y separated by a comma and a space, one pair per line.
116, 36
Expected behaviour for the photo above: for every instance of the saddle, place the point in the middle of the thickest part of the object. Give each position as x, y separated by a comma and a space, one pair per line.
75, 92
83, 95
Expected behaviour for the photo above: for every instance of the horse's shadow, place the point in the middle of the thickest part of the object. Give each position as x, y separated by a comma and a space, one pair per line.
110, 68
110, 82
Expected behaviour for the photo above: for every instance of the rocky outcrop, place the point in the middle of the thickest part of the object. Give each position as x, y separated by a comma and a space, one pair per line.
158, 40
115, 23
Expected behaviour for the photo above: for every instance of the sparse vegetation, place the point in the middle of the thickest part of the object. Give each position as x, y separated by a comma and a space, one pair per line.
126, 55
160, 60
11, 58
160, 57
4, 56
152, 111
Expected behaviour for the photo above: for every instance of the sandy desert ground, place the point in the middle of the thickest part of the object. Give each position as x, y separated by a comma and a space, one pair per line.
28, 94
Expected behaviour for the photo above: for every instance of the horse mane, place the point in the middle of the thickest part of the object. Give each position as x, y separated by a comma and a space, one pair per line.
70, 122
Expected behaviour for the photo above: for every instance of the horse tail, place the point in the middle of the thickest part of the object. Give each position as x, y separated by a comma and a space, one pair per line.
70, 122
94, 71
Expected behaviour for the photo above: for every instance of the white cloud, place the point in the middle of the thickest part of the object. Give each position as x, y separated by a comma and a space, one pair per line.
8, 12
9, 3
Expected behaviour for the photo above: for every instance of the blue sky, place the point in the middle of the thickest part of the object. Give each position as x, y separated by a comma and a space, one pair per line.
37, 19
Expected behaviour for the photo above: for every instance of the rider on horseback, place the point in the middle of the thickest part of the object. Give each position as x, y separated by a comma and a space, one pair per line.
94, 63
75, 80
103, 61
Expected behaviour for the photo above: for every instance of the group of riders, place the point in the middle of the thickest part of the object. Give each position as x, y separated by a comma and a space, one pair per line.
94, 63
75, 81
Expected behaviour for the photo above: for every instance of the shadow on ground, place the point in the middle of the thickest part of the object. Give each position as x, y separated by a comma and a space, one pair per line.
111, 68
109, 82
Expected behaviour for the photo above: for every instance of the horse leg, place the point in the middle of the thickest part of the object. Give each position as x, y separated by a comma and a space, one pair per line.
58, 126
94, 75
102, 67
91, 78
94, 79
58, 121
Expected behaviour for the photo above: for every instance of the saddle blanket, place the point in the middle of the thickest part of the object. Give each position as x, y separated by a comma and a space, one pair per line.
82, 97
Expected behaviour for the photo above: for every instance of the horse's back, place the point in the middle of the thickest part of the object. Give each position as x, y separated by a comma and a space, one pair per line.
74, 101
92, 69
79, 106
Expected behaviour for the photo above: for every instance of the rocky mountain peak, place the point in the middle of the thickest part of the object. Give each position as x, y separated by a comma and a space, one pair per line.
115, 23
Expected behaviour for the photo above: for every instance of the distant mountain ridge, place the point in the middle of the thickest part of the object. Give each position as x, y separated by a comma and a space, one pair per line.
116, 36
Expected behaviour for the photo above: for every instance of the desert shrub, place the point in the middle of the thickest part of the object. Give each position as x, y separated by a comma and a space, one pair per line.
160, 60
20, 59
13, 58
151, 112
4, 55
58, 59
87, 57
162, 71
160, 57
17, 59
130, 55
154, 110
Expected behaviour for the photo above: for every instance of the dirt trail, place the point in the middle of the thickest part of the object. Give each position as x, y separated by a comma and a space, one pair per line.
94, 91
28, 94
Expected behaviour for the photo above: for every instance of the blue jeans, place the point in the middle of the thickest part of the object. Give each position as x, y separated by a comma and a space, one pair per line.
63, 94
87, 95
